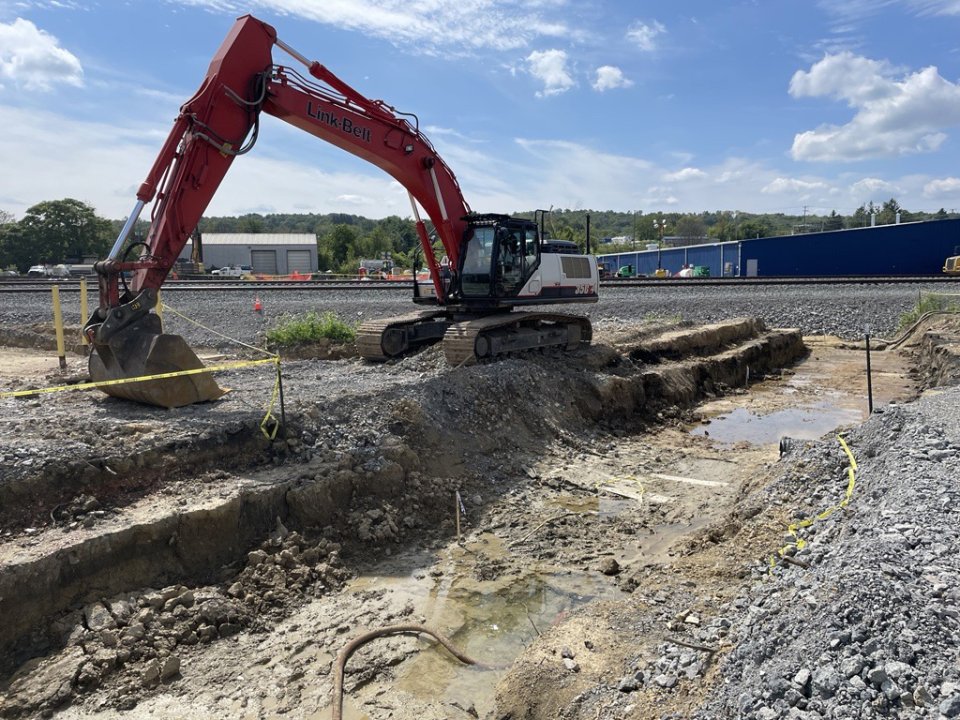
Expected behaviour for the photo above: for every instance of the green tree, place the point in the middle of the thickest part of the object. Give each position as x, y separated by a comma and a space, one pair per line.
753, 228
723, 228
252, 223
339, 245
691, 228
888, 212
64, 229
374, 244
833, 221
16, 250
402, 233
6, 224
861, 216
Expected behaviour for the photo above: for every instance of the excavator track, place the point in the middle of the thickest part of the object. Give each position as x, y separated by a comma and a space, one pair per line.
380, 340
488, 337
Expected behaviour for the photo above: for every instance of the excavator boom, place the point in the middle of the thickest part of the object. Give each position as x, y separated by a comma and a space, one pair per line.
222, 121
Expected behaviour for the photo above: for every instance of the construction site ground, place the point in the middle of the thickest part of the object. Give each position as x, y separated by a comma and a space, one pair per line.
589, 528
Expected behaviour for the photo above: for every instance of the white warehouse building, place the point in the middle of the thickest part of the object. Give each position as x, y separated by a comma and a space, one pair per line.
267, 253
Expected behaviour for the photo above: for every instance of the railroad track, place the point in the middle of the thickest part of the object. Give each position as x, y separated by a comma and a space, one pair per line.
14, 285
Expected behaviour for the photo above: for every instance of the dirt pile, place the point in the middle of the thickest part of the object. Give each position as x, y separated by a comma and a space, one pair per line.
937, 348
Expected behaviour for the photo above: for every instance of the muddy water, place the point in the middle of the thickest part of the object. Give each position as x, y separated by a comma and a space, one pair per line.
825, 392
802, 423
489, 615
492, 603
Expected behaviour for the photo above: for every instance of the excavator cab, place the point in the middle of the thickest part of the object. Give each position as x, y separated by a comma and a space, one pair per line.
499, 256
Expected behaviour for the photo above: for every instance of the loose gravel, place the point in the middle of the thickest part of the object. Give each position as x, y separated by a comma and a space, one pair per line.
871, 627
842, 310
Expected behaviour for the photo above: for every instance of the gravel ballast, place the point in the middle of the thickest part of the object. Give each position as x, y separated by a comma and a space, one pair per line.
842, 310
871, 626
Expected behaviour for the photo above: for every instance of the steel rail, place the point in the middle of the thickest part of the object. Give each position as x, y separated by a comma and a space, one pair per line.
73, 284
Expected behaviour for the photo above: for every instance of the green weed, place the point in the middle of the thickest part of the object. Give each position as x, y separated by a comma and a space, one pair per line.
310, 327
928, 303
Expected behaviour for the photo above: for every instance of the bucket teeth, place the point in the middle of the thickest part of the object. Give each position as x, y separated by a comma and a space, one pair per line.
141, 350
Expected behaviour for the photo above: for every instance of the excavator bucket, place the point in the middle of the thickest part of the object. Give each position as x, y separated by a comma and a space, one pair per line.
142, 349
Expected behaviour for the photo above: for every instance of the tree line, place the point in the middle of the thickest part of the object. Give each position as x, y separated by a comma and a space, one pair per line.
68, 230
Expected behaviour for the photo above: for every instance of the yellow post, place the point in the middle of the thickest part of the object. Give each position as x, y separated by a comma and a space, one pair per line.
160, 309
58, 326
83, 314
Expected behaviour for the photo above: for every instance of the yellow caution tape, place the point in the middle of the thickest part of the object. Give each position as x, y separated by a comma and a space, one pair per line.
143, 378
269, 432
798, 542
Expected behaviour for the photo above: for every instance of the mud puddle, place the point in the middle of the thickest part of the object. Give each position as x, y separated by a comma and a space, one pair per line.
823, 393
491, 618
803, 423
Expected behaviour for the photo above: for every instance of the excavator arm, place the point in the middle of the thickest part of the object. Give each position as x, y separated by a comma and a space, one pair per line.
220, 122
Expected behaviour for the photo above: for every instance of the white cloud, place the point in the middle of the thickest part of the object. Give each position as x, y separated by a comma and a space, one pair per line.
853, 10
844, 76
935, 7
687, 173
894, 116
550, 67
657, 197
942, 188
645, 36
33, 59
791, 185
871, 185
103, 164
422, 25
609, 77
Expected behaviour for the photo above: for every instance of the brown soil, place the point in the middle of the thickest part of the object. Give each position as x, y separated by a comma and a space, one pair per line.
597, 522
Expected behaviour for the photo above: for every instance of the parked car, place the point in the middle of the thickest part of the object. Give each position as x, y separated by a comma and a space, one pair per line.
49, 271
9, 273
59, 271
233, 271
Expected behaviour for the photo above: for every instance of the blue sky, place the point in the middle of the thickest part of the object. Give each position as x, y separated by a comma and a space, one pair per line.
672, 105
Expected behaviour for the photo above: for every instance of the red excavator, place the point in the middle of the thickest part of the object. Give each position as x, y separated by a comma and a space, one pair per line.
492, 262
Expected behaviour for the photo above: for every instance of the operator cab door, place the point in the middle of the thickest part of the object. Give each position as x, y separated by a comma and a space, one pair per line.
499, 260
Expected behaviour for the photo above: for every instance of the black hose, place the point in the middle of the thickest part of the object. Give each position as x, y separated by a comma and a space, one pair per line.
348, 650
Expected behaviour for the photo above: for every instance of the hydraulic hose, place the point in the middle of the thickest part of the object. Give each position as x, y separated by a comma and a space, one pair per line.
351, 647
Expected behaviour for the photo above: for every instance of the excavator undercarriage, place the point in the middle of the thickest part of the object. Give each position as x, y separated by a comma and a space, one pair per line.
468, 339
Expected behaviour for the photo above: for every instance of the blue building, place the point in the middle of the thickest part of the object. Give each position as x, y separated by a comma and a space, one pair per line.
917, 248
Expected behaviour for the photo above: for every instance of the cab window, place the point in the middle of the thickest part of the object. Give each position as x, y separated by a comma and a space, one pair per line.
475, 276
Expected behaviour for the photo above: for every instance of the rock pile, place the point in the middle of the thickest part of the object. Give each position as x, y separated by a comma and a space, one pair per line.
144, 637
867, 623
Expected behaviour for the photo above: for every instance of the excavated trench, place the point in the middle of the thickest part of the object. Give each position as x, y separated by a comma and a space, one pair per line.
222, 534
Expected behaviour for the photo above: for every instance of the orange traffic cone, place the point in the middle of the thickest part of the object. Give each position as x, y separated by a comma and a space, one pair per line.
257, 305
